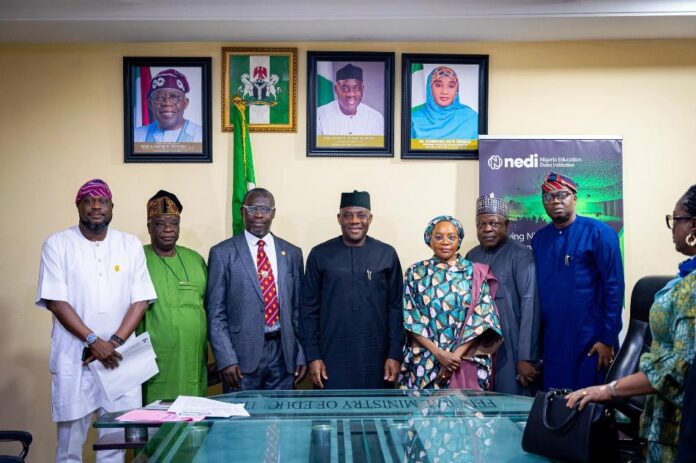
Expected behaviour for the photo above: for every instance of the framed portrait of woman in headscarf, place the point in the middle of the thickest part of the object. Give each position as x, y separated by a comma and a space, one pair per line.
444, 105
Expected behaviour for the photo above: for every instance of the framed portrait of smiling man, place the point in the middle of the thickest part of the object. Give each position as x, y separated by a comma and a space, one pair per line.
167, 109
350, 104
444, 105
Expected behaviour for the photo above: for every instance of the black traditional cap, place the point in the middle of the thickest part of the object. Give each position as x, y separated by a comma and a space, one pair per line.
349, 72
163, 202
355, 199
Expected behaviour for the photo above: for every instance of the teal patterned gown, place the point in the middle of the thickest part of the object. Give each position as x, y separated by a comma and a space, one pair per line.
673, 326
437, 298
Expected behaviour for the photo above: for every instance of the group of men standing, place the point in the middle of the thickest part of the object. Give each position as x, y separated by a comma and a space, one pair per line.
270, 321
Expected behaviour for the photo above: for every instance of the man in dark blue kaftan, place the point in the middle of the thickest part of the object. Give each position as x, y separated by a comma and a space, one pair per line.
581, 290
352, 317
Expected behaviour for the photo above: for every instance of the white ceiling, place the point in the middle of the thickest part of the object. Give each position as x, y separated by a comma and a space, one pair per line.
42, 21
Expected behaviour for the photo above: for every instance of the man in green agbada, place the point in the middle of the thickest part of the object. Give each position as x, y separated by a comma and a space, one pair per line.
176, 321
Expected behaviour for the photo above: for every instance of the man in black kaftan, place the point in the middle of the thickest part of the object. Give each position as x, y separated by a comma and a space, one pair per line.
352, 318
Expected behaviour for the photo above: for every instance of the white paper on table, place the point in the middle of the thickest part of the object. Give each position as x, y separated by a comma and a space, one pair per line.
200, 406
137, 366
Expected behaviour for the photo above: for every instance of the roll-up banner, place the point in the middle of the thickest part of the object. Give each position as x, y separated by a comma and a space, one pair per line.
514, 167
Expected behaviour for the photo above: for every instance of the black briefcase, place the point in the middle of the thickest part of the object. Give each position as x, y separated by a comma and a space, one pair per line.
561, 433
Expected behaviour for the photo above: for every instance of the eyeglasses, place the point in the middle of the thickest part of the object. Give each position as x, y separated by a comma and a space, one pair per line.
493, 225
451, 238
263, 210
551, 197
173, 97
347, 215
670, 219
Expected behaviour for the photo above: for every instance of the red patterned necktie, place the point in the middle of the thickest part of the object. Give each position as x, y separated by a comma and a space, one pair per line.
268, 286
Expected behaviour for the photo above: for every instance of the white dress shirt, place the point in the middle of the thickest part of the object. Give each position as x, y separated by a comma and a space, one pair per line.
100, 280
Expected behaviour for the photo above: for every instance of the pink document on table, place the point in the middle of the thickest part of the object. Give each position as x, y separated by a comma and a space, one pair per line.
155, 416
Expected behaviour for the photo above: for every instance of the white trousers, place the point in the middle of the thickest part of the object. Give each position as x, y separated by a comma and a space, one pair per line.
72, 436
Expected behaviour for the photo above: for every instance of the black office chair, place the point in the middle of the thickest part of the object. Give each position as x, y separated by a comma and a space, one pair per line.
23, 438
636, 343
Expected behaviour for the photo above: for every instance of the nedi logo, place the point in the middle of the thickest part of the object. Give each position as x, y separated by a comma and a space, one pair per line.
495, 162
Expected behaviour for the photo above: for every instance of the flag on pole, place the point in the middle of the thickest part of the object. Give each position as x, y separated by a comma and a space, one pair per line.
243, 178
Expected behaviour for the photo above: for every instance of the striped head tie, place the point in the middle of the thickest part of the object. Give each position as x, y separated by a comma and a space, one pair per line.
95, 187
554, 181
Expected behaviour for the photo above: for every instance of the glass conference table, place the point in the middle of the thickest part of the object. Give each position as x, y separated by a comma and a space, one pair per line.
349, 426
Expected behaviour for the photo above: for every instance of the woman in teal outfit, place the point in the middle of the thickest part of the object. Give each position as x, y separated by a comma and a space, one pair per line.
441, 324
663, 371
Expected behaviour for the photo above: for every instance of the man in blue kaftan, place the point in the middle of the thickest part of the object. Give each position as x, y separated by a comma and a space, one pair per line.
581, 290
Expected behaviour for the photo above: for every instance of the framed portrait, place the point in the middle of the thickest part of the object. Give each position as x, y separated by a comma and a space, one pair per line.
444, 105
266, 79
167, 110
350, 104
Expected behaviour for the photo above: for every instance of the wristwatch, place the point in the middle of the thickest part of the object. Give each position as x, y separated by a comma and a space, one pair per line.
91, 339
612, 388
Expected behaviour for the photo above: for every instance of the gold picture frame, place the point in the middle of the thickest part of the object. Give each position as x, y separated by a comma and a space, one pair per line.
266, 79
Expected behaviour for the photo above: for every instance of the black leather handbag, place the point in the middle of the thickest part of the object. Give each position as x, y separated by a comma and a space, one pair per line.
555, 431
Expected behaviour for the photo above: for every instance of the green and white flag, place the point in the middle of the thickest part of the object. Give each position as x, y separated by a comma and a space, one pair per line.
243, 177
263, 82
325, 83
418, 77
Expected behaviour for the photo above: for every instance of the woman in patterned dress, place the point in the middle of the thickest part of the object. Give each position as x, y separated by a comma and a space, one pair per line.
664, 369
444, 328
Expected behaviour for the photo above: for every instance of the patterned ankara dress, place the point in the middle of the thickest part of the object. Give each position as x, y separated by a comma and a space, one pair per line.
437, 298
672, 322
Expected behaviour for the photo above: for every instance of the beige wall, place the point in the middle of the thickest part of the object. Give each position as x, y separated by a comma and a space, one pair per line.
62, 123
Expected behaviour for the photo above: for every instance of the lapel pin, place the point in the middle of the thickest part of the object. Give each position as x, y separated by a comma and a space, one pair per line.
282, 253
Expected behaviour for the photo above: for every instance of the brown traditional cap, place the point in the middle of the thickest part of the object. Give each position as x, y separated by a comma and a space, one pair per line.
163, 202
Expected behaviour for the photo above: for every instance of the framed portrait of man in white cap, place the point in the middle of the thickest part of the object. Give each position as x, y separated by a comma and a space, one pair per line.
350, 104
167, 109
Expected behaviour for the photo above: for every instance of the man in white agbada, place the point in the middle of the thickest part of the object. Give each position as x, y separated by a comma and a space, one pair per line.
346, 115
95, 282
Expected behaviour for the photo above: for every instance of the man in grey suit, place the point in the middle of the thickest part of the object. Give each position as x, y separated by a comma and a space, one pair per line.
254, 282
